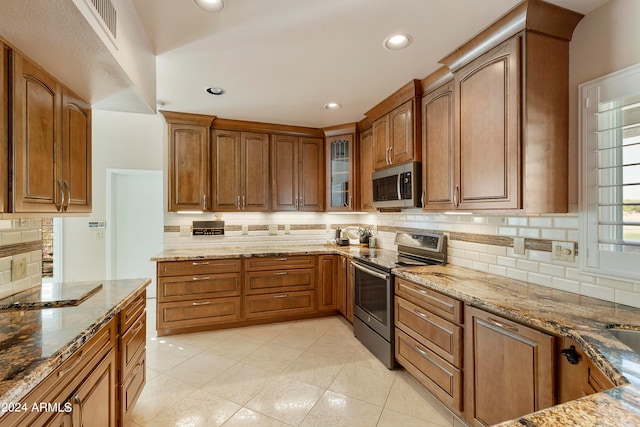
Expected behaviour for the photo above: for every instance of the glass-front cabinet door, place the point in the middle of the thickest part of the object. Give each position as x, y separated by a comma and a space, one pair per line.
340, 177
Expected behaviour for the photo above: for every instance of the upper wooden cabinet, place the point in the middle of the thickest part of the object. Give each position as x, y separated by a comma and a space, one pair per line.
438, 148
511, 118
366, 170
188, 167
298, 173
76, 152
341, 168
240, 171
395, 127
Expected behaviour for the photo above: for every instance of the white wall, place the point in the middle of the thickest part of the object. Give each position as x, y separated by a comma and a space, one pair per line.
123, 141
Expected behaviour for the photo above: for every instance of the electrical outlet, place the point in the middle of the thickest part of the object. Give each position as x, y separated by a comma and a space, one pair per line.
563, 251
185, 230
18, 268
518, 245
245, 229
273, 229
287, 229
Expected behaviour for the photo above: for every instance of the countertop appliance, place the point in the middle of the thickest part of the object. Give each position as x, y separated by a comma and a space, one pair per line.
398, 186
374, 287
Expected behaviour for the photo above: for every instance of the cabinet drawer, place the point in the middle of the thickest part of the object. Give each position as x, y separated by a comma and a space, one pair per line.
446, 307
132, 385
280, 263
281, 304
196, 313
130, 314
132, 343
442, 337
439, 377
206, 266
181, 288
594, 380
261, 282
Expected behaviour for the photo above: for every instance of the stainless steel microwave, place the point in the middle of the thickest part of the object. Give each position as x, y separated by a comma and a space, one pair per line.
398, 186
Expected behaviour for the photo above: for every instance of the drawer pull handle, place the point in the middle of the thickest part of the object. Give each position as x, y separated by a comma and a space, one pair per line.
200, 278
502, 325
75, 363
78, 401
280, 273
200, 263
424, 316
281, 296
136, 369
282, 259
201, 303
137, 329
425, 355
431, 297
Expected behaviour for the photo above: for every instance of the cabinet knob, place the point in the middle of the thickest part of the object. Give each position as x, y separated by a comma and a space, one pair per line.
571, 354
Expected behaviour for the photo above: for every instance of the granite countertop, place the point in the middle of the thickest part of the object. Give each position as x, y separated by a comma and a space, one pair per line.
33, 343
584, 319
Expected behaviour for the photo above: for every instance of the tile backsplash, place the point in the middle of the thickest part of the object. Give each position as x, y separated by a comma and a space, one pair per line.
479, 242
20, 239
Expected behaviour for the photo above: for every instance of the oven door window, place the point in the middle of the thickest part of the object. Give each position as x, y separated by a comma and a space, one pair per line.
373, 301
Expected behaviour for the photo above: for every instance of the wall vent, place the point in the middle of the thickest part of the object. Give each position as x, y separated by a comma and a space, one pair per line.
107, 12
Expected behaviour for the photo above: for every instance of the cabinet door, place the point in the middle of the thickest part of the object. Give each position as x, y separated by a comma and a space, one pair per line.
4, 128
76, 153
37, 113
226, 170
437, 149
311, 175
366, 170
95, 401
340, 175
328, 296
509, 369
401, 133
255, 172
284, 163
341, 286
188, 167
380, 131
487, 93
350, 291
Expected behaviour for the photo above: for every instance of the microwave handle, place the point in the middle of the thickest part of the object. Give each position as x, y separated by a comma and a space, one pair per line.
400, 195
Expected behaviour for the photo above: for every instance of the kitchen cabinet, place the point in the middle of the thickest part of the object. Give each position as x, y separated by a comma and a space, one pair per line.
438, 149
328, 283
298, 173
197, 293
429, 340
509, 368
188, 161
366, 170
94, 402
52, 143
240, 171
132, 360
394, 136
341, 173
344, 290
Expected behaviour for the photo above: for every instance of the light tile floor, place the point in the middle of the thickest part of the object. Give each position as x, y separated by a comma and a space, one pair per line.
302, 373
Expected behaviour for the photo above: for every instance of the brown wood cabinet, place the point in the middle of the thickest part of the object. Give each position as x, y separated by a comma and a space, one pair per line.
509, 369
298, 173
394, 136
344, 288
94, 402
429, 340
366, 170
341, 173
188, 161
52, 143
438, 149
133, 356
328, 283
240, 171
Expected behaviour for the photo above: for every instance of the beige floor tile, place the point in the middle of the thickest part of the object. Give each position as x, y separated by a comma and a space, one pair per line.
363, 357
410, 398
237, 346
272, 357
166, 357
151, 373
240, 383
200, 409
295, 339
201, 368
311, 327
391, 418
286, 400
159, 394
264, 332
370, 385
248, 418
339, 353
316, 370
336, 410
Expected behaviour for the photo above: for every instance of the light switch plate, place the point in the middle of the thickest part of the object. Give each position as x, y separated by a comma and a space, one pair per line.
287, 229
563, 251
18, 268
518, 245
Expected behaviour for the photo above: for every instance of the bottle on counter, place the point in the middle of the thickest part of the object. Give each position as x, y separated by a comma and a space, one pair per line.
372, 242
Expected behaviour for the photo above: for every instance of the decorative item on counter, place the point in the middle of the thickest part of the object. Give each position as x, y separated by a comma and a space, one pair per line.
365, 234
372, 242
338, 233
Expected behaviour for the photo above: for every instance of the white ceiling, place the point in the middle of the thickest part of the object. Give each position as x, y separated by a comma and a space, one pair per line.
279, 60
282, 60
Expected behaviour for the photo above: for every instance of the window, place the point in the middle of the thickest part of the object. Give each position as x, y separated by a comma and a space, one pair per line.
610, 175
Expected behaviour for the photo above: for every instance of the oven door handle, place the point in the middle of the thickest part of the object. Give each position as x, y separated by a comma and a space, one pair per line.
370, 271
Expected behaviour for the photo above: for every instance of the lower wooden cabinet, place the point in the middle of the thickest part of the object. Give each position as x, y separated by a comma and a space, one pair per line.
509, 369
280, 304
133, 355
185, 314
328, 268
94, 403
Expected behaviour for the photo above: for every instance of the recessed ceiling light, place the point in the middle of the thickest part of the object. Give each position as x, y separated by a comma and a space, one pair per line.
210, 5
332, 106
397, 41
215, 91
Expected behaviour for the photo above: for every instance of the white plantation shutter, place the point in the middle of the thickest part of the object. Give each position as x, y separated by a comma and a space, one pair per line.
610, 169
